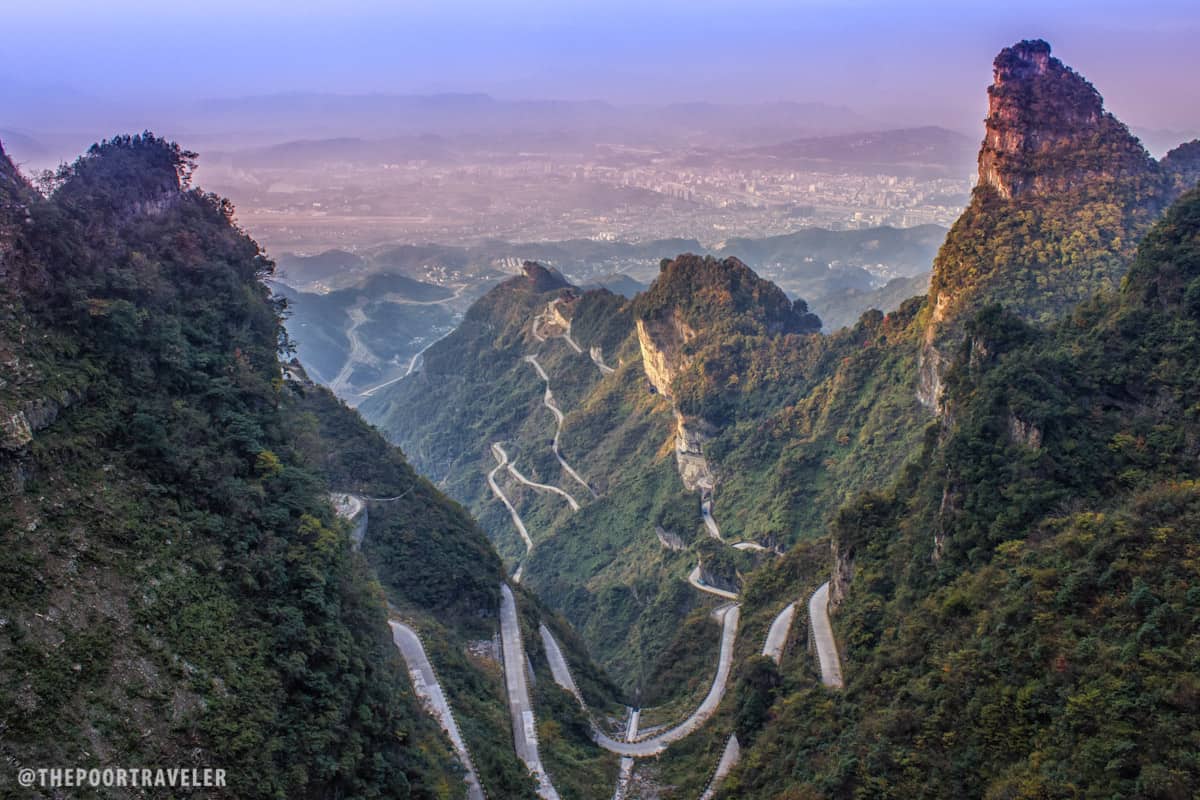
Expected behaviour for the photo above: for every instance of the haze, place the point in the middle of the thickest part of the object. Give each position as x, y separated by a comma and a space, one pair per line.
70, 65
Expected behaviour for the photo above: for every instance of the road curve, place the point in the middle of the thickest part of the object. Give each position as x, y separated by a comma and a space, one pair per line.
695, 580
351, 507
598, 359
548, 401
541, 487
652, 746
822, 632
426, 685
709, 522
502, 458
519, 705
778, 634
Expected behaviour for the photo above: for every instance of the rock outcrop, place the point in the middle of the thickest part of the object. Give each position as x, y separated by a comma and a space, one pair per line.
1064, 192
662, 343
1043, 125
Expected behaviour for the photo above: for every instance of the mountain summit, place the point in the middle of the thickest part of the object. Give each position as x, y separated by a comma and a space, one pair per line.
1064, 193
1047, 130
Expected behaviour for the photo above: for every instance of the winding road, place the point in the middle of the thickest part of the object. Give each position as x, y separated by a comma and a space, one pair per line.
598, 360
502, 458
519, 705
778, 634
709, 522
822, 633
625, 775
729, 760
426, 685
695, 580
351, 507
541, 487
548, 401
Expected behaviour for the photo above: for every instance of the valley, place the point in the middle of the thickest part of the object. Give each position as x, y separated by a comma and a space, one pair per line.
432, 521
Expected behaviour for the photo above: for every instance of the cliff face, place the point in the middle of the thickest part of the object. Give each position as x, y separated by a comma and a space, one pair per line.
1064, 192
662, 343
1043, 122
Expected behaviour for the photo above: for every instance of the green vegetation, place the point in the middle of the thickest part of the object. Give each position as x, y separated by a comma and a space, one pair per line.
1041, 643
177, 589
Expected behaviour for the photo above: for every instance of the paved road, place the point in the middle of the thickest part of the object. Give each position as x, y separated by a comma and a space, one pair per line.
359, 354
558, 665
426, 685
519, 705
626, 773
502, 458
548, 401
755, 546
598, 360
351, 507
541, 487
652, 746
695, 580
778, 634
729, 759
709, 522
730, 616
822, 631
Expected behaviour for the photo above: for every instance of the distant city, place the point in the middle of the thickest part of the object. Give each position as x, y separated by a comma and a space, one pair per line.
308, 208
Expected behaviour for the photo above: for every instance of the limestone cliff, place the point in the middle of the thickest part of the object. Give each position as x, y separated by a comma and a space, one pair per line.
1044, 122
1064, 192
662, 344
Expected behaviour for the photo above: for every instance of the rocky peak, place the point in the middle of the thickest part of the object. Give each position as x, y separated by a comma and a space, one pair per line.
701, 292
1047, 129
542, 279
1065, 190
126, 176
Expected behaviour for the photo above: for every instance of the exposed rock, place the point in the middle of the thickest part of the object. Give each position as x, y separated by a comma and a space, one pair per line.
18, 428
718, 580
1042, 119
662, 350
843, 573
689, 456
669, 540
1022, 432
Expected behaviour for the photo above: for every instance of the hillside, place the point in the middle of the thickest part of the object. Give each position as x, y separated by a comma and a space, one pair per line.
714, 427
177, 588
1018, 611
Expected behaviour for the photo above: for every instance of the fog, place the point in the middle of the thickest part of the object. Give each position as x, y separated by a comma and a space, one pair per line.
88, 69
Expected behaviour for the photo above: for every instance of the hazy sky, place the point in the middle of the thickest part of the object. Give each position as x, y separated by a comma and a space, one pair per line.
908, 61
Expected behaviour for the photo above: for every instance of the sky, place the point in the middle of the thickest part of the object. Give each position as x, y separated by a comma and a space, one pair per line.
912, 62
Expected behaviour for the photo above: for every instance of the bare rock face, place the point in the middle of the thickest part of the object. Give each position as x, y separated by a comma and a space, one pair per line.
1043, 118
662, 344
843, 573
1065, 190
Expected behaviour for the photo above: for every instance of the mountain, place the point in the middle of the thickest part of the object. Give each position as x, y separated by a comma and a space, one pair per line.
1064, 193
1002, 551
1016, 611
177, 587
355, 338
